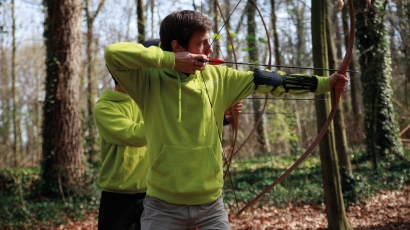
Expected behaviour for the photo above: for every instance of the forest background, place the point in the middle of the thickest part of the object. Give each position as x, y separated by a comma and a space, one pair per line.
52, 155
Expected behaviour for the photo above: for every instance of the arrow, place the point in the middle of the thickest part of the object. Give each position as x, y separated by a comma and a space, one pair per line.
216, 61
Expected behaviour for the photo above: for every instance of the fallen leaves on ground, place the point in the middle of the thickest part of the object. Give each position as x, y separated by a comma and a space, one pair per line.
387, 210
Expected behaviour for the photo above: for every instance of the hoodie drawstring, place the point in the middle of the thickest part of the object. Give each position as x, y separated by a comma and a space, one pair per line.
179, 98
204, 102
204, 107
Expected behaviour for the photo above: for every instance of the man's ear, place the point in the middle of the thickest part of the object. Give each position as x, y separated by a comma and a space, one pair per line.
176, 47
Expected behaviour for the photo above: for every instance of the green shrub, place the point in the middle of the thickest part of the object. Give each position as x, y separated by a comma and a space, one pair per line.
41, 212
304, 185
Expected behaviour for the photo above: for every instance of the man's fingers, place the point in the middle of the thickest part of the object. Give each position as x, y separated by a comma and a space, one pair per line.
200, 63
341, 86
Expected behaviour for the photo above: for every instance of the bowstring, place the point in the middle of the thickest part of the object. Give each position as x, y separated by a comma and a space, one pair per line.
212, 108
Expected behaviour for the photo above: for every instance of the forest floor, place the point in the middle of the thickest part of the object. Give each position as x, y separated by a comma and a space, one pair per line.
387, 210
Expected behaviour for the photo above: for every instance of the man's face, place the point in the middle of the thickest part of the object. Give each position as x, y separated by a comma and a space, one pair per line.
199, 43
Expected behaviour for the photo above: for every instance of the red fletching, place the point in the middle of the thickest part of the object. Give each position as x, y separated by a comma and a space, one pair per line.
216, 61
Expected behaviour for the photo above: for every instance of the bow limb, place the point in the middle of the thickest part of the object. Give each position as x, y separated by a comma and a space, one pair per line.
220, 134
268, 67
234, 127
336, 95
234, 114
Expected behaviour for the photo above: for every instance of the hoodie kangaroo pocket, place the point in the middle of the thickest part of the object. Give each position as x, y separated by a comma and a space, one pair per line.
124, 173
186, 170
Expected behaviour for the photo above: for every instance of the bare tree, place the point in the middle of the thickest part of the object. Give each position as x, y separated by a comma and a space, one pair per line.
335, 210
260, 137
356, 137
152, 7
342, 150
298, 11
91, 132
5, 93
16, 123
230, 48
140, 20
216, 43
278, 60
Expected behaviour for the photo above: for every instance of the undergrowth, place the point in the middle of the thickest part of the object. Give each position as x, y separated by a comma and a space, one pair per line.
33, 212
249, 177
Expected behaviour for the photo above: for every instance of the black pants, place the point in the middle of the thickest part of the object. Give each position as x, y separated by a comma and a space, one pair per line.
120, 211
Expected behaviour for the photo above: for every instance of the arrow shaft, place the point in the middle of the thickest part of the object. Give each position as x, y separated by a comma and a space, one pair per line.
283, 66
290, 99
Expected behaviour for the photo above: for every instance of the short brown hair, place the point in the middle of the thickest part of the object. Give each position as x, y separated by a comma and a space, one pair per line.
180, 26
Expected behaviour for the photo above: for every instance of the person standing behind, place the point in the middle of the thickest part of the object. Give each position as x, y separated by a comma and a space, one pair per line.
124, 161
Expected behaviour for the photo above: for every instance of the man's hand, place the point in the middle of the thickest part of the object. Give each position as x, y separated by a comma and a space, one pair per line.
339, 81
187, 62
237, 108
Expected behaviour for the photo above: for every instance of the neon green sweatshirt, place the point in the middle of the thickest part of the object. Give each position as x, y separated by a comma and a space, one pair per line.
123, 144
183, 118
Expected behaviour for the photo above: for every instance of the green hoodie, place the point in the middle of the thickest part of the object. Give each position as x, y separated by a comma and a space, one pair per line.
123, 144
183, 118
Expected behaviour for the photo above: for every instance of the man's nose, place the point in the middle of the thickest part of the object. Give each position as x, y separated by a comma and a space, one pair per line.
209, 50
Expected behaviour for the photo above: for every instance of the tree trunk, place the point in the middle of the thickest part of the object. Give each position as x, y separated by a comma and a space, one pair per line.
335, 210
152, 19
38, 122
357, 121
407, 42
91, 131
141, 20
63, 160
347, 179
16, 120
216, 43
260, 137
381, 127
231, 49
5, 106
298, 13
403, 13
278, 60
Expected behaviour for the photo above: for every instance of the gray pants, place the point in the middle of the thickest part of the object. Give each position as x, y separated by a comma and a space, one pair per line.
160, 215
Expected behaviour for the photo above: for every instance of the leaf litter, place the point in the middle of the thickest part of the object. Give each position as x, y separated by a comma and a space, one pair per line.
386, 210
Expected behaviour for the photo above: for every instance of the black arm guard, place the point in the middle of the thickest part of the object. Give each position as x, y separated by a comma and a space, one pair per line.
288, 81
